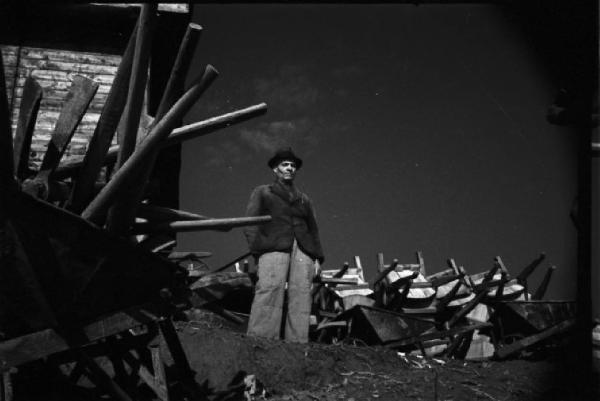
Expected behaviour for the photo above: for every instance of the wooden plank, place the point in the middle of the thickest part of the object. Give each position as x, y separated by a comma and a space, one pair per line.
125, 176
92, 58
52, 85
103, 133
32, 95
82, 91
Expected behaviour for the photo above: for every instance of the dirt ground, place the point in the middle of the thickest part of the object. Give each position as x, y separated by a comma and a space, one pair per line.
221, 356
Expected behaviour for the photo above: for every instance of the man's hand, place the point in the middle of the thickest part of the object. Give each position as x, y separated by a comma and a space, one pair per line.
317, 268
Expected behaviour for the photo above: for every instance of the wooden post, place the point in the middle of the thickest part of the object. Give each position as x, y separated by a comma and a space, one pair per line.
103, 133
421, 263
121, 215
136, 163
30, 104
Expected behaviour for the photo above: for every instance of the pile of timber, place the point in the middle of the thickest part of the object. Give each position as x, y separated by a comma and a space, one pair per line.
451, 313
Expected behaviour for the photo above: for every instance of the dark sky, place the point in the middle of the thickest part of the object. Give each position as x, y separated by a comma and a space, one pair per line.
421, 128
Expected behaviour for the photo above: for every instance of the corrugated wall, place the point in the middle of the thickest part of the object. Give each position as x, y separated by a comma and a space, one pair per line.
53, 70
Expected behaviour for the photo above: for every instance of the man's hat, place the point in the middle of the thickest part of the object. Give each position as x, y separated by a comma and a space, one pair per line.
284, 154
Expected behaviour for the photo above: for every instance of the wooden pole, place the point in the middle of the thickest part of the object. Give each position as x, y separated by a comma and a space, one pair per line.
135, 164
527, 270
180, 69
215, 123
121, 215
30, 104
160, 213
385, 271
541, 290
178, 135
199, 225
99, 145
137, 83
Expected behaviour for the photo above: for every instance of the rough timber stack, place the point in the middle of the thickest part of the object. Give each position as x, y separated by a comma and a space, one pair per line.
60, 41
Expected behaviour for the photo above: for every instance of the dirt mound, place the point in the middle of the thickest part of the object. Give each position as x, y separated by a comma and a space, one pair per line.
221, 357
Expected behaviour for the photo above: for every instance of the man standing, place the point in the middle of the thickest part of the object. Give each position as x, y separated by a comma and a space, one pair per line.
288, 249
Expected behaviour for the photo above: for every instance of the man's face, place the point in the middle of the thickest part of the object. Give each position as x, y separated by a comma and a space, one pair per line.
285, 171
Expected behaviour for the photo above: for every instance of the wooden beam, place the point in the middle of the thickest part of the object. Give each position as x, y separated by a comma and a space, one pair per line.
30, 104
106, 127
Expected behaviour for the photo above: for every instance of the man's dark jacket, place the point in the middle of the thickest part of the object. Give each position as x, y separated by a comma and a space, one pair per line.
293, 216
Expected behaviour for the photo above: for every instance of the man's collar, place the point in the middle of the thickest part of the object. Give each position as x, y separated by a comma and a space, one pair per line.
289, 193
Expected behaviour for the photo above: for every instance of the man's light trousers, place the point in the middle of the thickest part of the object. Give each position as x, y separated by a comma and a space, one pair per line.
274, 269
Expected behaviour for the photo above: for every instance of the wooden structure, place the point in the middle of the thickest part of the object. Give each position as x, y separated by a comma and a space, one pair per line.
75, 280
61, 41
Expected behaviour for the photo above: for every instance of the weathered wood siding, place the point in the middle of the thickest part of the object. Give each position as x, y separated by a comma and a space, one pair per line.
54, 69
